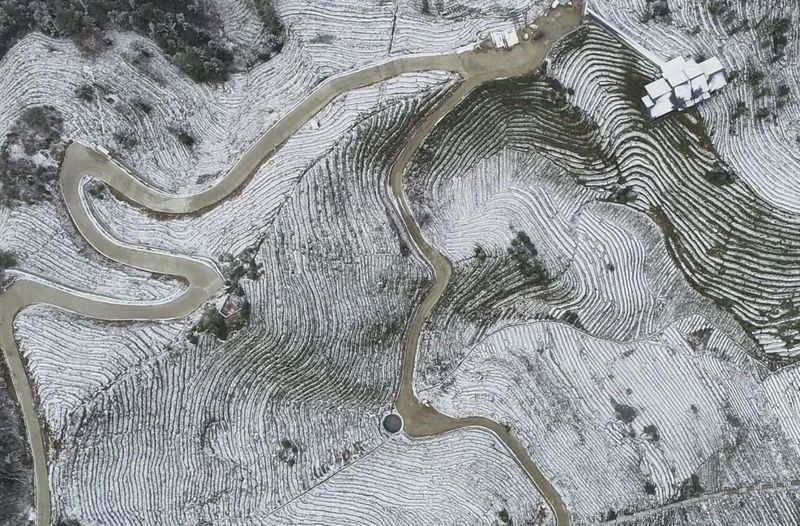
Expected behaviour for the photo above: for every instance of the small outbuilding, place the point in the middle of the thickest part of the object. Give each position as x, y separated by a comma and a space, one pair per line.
510, 36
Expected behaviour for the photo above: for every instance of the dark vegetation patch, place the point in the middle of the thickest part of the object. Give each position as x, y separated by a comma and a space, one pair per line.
526, 257
623, 412
689, 489
657, 11
624, 195
649, 488
449, 10
721, 175
186, 30
652, 433
29, 156
125, 138
480, 254
184, 136
86, 92
7, 260
16, 465
222, 321
233, 310
572, 318
323, 38
289, 452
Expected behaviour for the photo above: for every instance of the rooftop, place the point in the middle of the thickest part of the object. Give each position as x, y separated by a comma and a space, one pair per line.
711, 66
657, 88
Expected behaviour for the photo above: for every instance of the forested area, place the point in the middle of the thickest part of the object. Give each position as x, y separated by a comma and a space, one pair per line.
187, 30
16, 474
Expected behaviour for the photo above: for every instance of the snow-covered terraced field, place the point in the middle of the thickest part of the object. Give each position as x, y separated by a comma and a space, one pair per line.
278, 418
242, 219
48, 246
623, 426
323, 39
764, 151
635, 358
732, 246
417, 482
776, 506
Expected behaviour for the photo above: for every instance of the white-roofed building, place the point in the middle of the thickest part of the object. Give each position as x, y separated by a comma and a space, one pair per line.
697, 80
715, 73
658, 100
683, 84
504, 38
510, 36
497, 39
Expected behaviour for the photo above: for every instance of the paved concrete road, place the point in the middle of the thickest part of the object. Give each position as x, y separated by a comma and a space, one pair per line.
422, 420
202, 277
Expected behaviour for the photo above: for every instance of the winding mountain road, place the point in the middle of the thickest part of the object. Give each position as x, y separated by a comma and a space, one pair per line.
203, 279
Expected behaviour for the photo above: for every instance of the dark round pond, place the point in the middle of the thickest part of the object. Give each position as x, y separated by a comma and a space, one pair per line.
393, 423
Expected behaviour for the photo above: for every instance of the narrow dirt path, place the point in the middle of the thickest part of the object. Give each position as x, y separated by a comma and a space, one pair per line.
203, 278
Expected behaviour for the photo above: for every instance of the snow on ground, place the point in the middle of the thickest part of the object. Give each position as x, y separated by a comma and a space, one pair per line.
771, 506
594, 336
733, 246
16, 476
87, 357
48, 245
240, 220
420, 483
605, 419
764, 151
282, 417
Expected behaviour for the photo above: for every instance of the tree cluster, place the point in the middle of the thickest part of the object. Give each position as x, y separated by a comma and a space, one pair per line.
35, 136
525, 254
187, 30
16, 477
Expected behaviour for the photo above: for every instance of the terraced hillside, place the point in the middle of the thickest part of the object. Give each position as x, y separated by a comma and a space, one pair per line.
755, 122
613, 303
260, 426
16, 478
732, 246
181, 135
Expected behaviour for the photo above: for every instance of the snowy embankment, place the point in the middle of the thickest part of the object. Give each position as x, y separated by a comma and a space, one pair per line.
418, 482
239, 221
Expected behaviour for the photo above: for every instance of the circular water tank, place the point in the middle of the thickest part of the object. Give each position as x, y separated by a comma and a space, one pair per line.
392, 423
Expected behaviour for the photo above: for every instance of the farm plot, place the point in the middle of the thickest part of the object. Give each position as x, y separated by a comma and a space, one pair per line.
244, 428
180, 136
584, 117
608, 292
754, 123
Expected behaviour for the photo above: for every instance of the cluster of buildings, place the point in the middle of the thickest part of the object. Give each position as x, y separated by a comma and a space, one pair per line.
683, 84
504, 39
